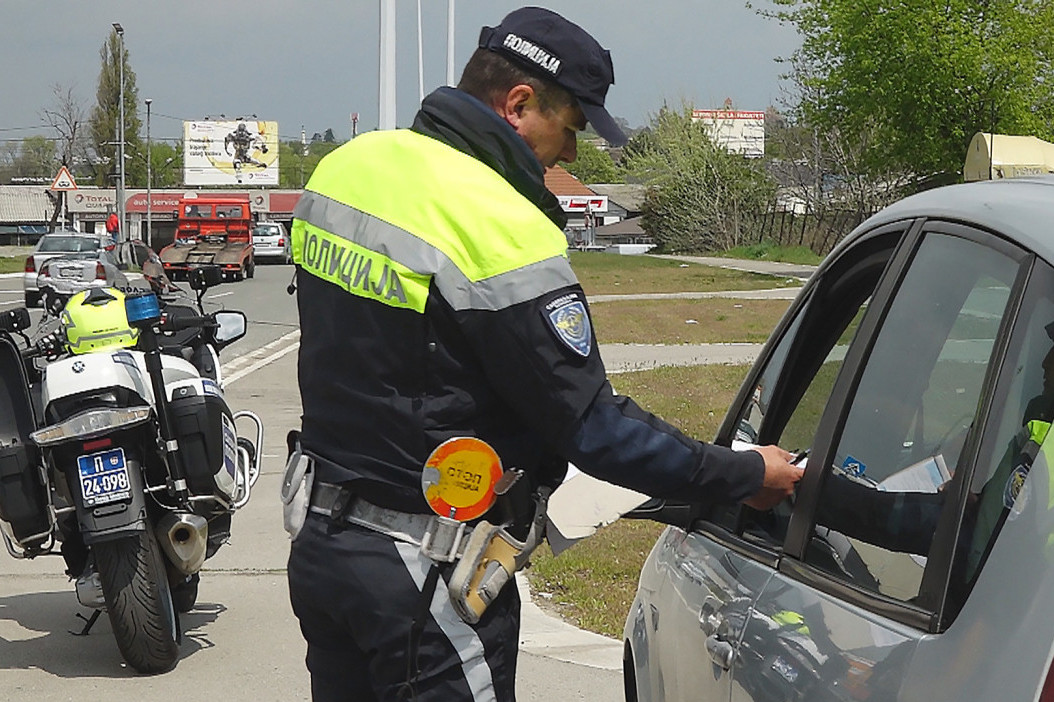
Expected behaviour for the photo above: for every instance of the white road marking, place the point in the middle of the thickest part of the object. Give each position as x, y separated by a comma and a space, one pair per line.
263, 356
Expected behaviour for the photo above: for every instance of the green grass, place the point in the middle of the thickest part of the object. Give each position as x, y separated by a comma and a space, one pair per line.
706, 321
612, 274
767, 251
9, 264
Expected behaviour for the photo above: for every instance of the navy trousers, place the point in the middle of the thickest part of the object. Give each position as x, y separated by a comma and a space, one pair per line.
357, 592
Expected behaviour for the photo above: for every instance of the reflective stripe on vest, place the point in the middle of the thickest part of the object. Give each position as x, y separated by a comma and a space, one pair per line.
485, 245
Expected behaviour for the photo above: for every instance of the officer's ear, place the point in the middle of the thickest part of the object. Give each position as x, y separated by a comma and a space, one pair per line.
515, 104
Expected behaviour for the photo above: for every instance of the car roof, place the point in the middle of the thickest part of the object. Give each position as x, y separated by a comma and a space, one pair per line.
1021, 209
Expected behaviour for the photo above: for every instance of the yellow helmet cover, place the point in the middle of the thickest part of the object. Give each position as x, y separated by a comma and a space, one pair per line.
95, 320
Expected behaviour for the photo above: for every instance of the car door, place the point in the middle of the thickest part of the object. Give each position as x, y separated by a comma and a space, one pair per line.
885, 370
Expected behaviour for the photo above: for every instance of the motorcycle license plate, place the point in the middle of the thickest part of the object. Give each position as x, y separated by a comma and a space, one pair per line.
104, 477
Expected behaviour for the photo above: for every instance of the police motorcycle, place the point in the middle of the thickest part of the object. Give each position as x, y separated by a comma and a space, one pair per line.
118, 450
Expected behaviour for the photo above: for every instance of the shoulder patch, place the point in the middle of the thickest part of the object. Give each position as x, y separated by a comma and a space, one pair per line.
566, 315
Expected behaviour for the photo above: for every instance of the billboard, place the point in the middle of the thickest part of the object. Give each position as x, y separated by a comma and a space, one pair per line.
738, 131
230, 152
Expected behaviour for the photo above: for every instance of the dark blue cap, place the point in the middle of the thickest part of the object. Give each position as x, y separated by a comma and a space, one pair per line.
560, 51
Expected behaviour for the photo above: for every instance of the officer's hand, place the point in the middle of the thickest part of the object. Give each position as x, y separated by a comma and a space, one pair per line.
780, 478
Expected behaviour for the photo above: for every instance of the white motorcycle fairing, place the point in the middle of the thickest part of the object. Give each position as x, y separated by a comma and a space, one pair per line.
96, 373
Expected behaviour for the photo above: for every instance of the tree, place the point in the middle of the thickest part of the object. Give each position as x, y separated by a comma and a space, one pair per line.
105, 114
917, 79
66, 117
166, 164
593, 165
37, 158
699, 196
295, 166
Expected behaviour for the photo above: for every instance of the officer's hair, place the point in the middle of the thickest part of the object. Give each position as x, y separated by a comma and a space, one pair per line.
489, 76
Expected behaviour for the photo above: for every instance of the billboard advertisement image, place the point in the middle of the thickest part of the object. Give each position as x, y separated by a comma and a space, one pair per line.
230, 152
738, 131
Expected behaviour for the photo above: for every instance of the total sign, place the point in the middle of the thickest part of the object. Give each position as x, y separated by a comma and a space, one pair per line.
82, 200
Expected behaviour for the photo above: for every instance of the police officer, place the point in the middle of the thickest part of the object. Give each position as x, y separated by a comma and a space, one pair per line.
437, 304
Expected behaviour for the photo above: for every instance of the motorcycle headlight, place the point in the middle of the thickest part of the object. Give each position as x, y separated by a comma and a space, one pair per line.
90, 424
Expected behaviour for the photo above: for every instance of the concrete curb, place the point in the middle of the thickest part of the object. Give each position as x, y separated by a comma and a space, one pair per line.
545, 635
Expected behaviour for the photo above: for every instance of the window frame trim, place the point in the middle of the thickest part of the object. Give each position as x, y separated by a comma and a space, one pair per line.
789, 559
933, 590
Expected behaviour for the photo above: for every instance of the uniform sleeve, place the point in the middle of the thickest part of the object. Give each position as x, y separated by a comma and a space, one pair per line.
541, 357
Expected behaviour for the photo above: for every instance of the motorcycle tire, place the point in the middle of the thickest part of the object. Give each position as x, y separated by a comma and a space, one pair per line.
139, 601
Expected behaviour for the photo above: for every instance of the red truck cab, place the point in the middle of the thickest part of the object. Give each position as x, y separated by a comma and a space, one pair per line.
211, 230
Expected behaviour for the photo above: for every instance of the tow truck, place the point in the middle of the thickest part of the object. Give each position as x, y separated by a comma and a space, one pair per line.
211, 230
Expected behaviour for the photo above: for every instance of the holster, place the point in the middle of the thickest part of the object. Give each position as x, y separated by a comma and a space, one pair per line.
490, 560
296, 486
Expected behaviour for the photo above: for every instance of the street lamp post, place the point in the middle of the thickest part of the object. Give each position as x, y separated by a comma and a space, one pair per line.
120, 136
149, 199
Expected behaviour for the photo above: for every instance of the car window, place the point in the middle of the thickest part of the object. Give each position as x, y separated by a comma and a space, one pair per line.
1023, 416
916, 399
53, 244
793, 389
266, 230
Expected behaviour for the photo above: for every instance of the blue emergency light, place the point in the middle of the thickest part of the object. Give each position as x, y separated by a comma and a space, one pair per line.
142, 310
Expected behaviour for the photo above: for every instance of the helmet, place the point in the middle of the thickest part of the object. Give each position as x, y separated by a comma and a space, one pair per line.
95, 319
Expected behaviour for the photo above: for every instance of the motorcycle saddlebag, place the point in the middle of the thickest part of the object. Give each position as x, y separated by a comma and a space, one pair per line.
206, 441
23, 493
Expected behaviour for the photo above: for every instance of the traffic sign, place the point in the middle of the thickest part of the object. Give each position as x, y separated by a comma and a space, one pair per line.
64, 180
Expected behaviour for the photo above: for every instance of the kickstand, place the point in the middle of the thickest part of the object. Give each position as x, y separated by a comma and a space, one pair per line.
88, 622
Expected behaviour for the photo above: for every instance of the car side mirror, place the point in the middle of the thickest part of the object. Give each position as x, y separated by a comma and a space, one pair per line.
678, 514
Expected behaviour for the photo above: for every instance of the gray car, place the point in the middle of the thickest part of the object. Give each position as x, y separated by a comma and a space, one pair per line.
64, 244
272, 243
914, 376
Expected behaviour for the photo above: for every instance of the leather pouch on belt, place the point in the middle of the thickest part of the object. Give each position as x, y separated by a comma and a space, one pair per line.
296, 487
489, 561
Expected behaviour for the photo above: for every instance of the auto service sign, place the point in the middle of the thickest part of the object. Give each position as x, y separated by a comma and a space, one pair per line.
230, 152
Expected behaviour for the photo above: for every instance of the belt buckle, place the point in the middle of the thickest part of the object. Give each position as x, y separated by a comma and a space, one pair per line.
442, 539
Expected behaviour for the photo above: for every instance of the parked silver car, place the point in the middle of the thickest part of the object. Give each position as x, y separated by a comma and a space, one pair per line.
61, 245
916, 562
272, 243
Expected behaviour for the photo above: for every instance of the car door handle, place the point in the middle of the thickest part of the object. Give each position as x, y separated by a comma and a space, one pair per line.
721, 652
709, 620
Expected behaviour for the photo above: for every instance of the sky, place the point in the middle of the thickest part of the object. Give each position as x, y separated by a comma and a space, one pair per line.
310, 64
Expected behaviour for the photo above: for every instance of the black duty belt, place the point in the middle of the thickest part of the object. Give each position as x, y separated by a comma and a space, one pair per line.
440, 539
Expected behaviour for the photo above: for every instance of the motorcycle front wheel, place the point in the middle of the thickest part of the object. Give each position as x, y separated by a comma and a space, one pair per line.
139, 601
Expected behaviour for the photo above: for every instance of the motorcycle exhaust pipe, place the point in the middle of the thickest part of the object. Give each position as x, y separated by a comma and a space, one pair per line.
184, 537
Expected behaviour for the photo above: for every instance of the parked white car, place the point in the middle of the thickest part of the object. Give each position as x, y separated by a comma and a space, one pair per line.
64, 244
272, 243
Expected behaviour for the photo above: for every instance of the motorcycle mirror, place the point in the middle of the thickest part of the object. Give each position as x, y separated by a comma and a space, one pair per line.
15, 320
205, 277
230, 326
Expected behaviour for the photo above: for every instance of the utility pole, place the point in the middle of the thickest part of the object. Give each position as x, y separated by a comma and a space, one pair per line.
450, 42
386, 93
420, 57
149, 198
303, 153
121, 214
